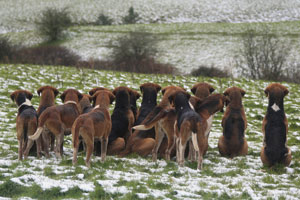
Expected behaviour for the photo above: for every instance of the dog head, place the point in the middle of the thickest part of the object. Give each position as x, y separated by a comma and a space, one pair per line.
167, 91
276, 93
71, 95
85, 102
94, 90
149, 86
235, 95
178, 97
212, 103
202, 90
46, 89
103, 98
21, 96
122, 95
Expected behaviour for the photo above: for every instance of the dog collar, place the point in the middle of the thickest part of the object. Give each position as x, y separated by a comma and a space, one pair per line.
27, 103
73, 102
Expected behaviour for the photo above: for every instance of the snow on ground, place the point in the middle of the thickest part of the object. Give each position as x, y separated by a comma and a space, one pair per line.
239, 177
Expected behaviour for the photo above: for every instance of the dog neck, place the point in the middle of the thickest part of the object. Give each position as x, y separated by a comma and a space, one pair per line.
182, 103
71, 102
27, 103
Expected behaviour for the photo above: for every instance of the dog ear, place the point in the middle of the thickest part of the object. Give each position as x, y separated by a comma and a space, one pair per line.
226, 93
243, 92
194, 89
79, 96
171, 98
142, 88
40, 90
56, 92
267, 92
211, 89
115, 91
158, 88
163, 91
13, 96
28, 95
63, 96
111, 97
285, 92
136, 94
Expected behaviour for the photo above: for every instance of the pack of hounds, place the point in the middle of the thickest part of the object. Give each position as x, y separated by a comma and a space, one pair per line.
178, 126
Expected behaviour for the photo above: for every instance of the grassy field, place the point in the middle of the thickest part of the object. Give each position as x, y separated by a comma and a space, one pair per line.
135, 177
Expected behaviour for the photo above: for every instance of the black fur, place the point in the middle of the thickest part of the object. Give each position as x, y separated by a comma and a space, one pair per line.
185, 112
275, 133
148, 104
119, 116
234, 120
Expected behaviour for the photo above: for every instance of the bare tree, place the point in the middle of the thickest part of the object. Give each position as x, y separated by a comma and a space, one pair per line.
263, 56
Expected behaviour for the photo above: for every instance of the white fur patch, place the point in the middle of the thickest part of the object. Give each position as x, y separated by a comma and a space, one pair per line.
97, 106
191, 105
141, 127
275, 107
67, 102
27, 103
209, 124
195, 141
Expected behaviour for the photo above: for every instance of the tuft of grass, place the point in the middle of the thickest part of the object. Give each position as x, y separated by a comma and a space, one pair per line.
11, 189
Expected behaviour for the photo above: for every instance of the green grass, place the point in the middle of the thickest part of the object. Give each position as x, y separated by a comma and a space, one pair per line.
140, 176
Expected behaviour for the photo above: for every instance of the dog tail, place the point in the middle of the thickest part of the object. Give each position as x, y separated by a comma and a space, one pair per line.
195, 141
152, 118
76, 131
37, 134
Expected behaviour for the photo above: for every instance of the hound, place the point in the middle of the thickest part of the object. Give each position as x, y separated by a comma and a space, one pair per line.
93, 125
275, 128
163, 118
233, 142
122, 121
26, 122
59, 119
142, 142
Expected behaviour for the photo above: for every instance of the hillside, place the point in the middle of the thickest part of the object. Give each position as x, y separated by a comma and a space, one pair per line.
135, 177
198, 32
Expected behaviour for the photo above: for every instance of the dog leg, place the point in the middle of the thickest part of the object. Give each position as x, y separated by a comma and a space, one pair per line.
89, 151
46, 137
159, 136
20, 150
288, 158
200, 159
182, 146
59, 143
104, 142
28, 147
171, 144
177, 141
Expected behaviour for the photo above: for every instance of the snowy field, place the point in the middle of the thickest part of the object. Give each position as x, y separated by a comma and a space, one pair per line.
183, 42
135, 177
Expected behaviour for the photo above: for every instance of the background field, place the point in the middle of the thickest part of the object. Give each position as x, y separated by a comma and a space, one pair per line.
193, 33
135, 177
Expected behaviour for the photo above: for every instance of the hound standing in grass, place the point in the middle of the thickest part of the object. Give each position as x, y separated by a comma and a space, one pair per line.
275, 128
59, 119
26, 122
93, 125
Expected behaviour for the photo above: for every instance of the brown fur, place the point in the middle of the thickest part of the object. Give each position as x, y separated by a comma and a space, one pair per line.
273, 120
26, 123
163, 118
94, 90
233, 142
48, 95
59, 119
202, 90
142, 142
84, 105
93, 125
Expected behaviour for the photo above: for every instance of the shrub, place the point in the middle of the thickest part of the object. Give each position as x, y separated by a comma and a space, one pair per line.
53, 23
131, 18
46, 55
262, 56
210, 72
104, 20
6, 49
